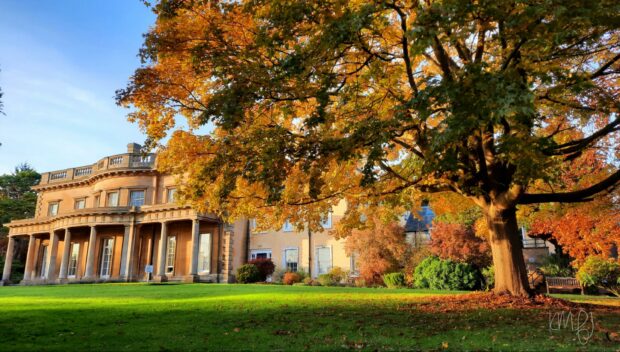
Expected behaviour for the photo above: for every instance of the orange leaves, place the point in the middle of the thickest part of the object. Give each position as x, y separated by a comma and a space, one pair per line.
380, 248
459, 243
582, 230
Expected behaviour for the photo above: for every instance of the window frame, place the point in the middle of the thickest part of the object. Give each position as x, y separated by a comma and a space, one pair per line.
316, 262
285, 263
136, 190
287, 226
50, 204
327, 224
254, 253
107, 198
105, 240
174, 191
77, 201
168, 255
204, 254
74, 260
43, 253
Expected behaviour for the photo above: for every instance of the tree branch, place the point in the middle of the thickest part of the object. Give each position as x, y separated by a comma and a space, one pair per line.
583, 195
575, 146
405, 47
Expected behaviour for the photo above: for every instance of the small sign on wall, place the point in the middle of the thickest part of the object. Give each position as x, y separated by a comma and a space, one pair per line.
148, 270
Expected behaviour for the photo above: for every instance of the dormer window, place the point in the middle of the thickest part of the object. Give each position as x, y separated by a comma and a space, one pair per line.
288, 227
79, 203
136, 198
112, 199
326, 221
52, 209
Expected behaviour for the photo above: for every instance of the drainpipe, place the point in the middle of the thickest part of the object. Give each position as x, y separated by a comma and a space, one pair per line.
219, 245
309, 251
247, 242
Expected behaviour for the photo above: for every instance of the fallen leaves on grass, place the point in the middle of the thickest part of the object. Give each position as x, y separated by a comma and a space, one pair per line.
491, 301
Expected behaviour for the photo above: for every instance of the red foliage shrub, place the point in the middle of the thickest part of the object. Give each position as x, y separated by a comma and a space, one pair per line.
265, 267
381, 248
291, 278
459, 243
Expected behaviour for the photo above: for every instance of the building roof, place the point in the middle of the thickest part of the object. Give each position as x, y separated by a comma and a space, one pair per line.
422, 222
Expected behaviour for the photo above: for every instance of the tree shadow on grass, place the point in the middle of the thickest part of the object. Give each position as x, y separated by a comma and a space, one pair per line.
277, 324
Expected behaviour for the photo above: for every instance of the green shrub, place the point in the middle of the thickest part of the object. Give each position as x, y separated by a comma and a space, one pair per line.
488, 275
307, 280
438, 274
557, 265
602, 273
265, 267
394, 280
337, 274
327, 280
248, 273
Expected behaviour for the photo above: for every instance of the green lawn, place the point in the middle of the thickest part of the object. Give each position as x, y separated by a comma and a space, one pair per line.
265, 317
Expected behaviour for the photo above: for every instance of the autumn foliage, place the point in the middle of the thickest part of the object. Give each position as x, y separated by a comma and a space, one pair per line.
313, 102
290, 278
380, 249
582, 229
459, 243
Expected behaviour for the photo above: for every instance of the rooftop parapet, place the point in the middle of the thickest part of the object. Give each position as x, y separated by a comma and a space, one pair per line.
133, 159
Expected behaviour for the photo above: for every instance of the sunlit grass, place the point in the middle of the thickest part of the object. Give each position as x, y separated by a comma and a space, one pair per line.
262, 317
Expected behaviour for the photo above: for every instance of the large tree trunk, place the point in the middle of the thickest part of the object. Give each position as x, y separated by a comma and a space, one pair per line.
507, 249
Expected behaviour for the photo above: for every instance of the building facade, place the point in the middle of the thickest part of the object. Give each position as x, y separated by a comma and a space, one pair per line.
117, 220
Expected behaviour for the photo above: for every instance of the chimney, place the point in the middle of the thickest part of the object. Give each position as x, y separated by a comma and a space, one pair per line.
133, 148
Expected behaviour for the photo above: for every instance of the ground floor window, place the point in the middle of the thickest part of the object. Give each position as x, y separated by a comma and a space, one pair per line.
43, 255
291, 259
204, 253
353, 265
106, 258
323, 260
171, 250
73, 260
260, 253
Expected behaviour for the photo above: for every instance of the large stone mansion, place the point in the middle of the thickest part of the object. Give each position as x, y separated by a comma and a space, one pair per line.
117, 220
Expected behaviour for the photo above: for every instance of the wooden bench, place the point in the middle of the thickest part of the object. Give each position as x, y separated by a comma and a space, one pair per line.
563, 283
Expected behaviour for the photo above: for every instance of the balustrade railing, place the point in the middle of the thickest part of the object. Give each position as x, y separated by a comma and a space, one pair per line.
120, 161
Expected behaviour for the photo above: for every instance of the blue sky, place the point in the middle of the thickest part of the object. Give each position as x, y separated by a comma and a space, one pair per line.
60, 63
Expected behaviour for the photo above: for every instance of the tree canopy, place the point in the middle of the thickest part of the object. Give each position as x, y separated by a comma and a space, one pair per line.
376, 101
17, 200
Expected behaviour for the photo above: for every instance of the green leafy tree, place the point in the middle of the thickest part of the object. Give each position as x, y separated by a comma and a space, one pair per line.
376, 101
17, 200
601, 273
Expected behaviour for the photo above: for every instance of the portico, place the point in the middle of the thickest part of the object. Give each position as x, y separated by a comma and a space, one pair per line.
178, 243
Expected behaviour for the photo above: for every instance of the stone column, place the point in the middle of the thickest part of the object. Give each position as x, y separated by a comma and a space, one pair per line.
8, 261
128, 251
66, 252
51, 258
193, 266
28, 272
90, 257
123, 270
161, 254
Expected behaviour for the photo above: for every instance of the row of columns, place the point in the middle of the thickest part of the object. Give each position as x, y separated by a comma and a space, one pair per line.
127, 252
160, 274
